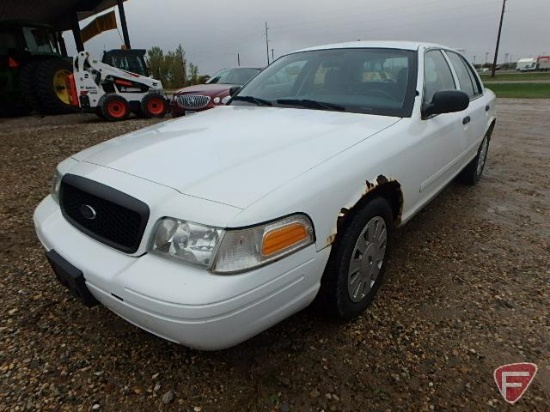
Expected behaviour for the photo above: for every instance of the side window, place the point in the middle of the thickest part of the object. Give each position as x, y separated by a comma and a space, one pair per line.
7, 41
437, 75
468, 82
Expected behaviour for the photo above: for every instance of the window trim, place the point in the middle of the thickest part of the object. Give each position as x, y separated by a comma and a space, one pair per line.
451, 68
476, 83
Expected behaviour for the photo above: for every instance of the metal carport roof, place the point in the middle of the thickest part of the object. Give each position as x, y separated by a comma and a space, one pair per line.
59, 13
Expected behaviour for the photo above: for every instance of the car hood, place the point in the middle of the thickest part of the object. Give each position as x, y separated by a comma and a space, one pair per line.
209, 89
237, 154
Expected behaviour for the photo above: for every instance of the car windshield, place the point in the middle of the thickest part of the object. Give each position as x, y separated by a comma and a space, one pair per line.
238, 76
359, 80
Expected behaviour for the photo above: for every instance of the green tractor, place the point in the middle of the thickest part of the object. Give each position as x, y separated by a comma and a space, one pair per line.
34, 69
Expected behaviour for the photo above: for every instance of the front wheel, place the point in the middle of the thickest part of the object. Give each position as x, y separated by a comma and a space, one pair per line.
114, 108
358, 261
153, 105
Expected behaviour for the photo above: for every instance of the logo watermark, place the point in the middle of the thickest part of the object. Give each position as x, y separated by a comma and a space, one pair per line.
514, 379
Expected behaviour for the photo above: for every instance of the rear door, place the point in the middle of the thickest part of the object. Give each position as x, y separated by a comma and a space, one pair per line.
475, 116
434, 144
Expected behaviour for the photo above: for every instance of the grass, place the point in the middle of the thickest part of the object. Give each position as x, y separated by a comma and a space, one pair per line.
521, 90
515, 77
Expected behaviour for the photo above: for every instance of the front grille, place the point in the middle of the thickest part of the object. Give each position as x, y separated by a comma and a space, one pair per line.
106, 214
193, 101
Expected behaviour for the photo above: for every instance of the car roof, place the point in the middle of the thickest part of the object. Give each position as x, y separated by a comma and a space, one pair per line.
406, 45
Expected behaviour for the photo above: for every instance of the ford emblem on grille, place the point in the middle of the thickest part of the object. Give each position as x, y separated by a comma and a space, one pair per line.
88, 212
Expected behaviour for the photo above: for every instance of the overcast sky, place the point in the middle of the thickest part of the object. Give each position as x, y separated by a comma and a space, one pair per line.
213, 32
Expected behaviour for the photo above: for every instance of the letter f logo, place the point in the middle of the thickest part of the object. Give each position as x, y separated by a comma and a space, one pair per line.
514, 379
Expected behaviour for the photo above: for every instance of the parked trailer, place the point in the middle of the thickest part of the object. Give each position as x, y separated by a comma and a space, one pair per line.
543, 63
526, 65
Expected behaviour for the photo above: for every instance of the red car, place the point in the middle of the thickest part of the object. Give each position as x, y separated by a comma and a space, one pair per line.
213, 93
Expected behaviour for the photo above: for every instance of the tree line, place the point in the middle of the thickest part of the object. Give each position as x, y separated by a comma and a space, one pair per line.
172, 68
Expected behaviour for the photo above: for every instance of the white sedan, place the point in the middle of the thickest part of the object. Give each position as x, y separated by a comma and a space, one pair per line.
210, 229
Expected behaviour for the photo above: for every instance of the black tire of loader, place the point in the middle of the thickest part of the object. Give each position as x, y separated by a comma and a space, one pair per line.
8, 109
44, 81
153, 105
27, 87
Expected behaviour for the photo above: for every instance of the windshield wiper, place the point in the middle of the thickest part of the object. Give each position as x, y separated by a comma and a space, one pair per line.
311, 104
252, 99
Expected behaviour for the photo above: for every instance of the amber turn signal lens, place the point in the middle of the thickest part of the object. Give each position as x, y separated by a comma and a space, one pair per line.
283, 238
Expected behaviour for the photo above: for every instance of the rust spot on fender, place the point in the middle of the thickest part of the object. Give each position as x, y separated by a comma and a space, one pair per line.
343, 212
341, 216
381, 179
369, 187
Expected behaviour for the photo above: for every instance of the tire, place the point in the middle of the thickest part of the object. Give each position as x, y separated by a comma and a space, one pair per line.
99, 113
114, 107
358, 261
51, 86
27, 86
8, 109
471, 174
153, 105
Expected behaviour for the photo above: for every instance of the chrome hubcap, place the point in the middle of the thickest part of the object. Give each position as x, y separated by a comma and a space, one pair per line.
482, 156
367, 259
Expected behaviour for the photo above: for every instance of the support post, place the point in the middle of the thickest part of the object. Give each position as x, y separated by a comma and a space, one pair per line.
76, 33
122, 15
62, 45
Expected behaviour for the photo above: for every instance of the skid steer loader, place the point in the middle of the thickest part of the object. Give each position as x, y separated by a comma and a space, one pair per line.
114, 93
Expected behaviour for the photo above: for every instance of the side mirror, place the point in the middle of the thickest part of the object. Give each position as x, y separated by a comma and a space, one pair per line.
446, 101
233, 91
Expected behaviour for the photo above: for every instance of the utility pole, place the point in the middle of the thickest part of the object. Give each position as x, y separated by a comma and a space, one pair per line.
266, 43
272, 54
486, 57
238, 60
498, 38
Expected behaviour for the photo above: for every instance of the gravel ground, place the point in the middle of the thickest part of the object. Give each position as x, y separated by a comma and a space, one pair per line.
467, 290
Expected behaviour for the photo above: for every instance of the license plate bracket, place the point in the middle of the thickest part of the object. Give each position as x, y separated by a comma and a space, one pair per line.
71, 277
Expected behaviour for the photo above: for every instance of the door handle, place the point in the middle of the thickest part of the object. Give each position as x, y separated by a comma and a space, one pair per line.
466, 120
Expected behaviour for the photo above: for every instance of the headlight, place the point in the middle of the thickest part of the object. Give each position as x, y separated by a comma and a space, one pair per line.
226, 99
232, 250
245, 249
216, 100
56, 184
187, 241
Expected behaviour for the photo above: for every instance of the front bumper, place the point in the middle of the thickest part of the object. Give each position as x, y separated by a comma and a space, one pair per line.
176, 110
179, 302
